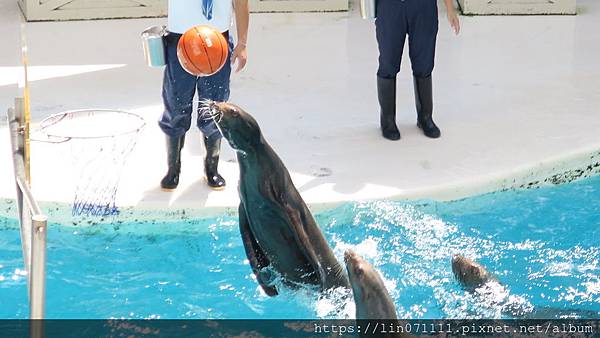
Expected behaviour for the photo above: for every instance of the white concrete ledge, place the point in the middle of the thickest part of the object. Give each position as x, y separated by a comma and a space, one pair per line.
517, 7
557, 170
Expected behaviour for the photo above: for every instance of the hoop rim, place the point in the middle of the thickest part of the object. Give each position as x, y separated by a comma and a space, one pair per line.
56, 118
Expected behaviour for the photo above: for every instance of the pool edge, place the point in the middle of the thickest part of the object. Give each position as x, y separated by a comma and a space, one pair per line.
555, 170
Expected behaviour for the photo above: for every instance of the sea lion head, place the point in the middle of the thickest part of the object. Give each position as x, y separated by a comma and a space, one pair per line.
370, 295
469, 273
237, 126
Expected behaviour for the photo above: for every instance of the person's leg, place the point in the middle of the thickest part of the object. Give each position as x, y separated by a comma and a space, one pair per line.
422, 35
390, 28
215, 88
178, 94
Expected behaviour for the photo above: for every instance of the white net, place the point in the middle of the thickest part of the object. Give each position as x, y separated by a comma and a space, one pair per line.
98, 143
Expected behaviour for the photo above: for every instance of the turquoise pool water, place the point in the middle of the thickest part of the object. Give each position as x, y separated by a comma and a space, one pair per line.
543, 244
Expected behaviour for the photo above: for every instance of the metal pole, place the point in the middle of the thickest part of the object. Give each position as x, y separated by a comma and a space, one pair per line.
22, 118
17, 144
38, 266
32, 222
25, 101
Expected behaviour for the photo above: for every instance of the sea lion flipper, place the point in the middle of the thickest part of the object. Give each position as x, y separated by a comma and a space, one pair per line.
304, 243
258, 260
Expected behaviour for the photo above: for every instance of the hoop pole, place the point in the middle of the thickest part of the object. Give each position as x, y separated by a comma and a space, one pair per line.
16, 138
25, 105
33, 224
23, 134
38, 267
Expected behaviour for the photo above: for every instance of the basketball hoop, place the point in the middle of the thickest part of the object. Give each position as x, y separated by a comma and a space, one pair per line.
100, 141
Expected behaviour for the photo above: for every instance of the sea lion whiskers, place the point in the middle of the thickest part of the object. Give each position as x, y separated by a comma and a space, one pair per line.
338, 272
218, 115
208, 110
204, 104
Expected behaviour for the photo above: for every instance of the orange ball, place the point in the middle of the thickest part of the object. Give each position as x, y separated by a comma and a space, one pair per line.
202, 50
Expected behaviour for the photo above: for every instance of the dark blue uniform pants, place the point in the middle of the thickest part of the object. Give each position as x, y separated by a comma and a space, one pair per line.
179, 88
395, 20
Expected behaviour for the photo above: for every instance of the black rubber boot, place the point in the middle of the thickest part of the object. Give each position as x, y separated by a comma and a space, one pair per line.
211, 162
171, 179
424, 103
386, 93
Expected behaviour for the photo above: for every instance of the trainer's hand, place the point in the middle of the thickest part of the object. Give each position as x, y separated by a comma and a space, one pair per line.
239, 56
453, 19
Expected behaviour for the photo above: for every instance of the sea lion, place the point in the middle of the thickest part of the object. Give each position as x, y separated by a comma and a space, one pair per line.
278, 230
472, 276
375, 309
370, 295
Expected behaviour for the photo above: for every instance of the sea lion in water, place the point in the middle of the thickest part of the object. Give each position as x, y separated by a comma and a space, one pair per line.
277, 228
370, 295
373, 302
472, 275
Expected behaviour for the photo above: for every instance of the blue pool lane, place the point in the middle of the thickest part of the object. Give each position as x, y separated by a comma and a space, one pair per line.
543, 244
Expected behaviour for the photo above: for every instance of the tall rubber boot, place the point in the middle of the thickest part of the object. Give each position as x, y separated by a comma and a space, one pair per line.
211, 162
386, 93
424, 103
171, 179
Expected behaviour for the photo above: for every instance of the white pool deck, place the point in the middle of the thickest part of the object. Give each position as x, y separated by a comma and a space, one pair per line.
517, 99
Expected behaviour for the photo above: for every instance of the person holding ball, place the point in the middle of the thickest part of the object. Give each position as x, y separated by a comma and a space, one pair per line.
419, 20
179, 86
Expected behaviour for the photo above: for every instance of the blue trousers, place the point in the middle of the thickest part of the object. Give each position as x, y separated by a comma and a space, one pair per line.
395, 20
179, 88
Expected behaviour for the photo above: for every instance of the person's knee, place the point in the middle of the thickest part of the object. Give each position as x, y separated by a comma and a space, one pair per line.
172, 131
422, 74
422, 66
175, 122
386, 75
176, 106
387, 70
390, 58
208, 128
422, 70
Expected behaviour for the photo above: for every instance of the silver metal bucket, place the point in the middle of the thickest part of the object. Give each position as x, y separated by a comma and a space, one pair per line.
154, 47
367, 9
